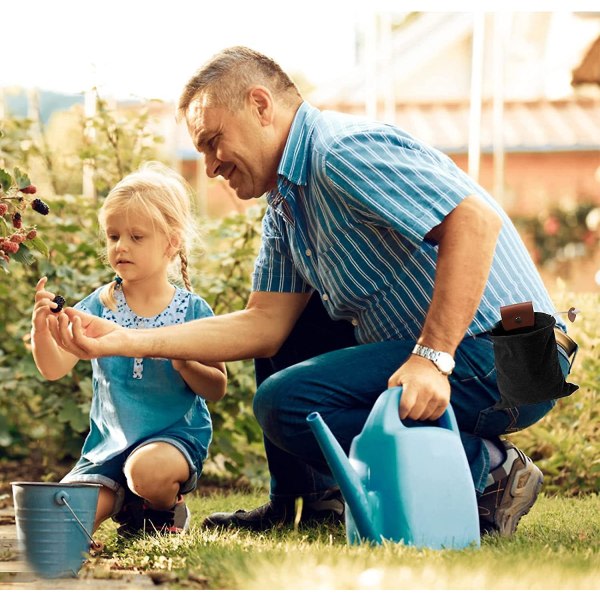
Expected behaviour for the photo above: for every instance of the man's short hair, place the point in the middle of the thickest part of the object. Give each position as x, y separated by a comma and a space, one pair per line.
228, 75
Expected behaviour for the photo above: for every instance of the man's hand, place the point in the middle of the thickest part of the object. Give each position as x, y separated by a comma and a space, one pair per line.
84, 335
425, 391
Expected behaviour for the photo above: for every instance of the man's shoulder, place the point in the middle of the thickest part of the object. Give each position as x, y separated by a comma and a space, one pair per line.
333, 130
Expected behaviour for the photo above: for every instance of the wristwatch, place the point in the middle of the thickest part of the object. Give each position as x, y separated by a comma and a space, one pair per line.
442, 360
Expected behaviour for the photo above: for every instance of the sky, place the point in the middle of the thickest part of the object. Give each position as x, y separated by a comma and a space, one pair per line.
150, 48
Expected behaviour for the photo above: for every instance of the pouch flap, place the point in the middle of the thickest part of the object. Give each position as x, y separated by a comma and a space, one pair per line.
516, 316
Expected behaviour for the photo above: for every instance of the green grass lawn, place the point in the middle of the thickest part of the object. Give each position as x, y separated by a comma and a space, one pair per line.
557, 546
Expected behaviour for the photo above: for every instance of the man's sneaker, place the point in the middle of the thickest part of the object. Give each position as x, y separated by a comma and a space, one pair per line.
278, 513
137, 518
515, 488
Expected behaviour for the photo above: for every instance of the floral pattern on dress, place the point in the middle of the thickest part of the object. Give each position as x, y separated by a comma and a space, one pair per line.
174, 314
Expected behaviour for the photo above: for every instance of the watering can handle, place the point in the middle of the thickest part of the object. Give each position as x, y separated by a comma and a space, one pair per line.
63, 498
385, 410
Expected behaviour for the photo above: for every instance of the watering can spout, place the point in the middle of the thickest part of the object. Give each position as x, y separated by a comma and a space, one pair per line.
350, 484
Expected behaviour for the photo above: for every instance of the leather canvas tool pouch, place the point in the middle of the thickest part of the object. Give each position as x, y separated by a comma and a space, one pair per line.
526, 358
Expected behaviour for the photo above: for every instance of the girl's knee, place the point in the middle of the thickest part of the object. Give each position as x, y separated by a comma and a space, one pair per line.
155, 469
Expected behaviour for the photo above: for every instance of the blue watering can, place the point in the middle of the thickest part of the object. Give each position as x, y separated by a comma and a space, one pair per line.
405, 484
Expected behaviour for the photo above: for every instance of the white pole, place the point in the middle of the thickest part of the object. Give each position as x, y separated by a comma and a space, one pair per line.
89, 110
202, 185
386, 72
501, 20
371, 65
476, 93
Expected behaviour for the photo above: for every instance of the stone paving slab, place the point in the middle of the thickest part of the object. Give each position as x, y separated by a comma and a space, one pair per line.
16, 575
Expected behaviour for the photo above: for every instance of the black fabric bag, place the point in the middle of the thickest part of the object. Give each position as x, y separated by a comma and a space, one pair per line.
527, 366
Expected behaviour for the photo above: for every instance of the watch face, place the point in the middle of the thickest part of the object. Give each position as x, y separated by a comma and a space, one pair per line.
445, 362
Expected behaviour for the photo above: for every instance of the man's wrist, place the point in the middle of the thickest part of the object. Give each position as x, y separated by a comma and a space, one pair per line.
443, 361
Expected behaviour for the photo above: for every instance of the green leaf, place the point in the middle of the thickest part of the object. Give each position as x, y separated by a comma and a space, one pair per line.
71, 413
24, 256
3, 227
5, 180
38, 244
21, 178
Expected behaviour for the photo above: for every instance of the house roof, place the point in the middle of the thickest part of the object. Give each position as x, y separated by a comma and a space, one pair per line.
589, 69
527, 126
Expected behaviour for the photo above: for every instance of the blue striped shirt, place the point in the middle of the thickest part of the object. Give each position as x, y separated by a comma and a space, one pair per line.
354, 202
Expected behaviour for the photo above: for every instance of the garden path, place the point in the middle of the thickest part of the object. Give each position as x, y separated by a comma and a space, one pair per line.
16, 575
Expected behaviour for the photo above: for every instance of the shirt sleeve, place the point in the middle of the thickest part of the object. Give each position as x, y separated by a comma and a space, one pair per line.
274, 269
91, 304
395, 181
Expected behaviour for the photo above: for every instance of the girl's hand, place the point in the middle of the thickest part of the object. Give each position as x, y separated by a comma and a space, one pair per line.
42, 307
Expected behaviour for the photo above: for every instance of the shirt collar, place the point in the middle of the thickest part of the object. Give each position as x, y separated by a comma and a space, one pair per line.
294, 161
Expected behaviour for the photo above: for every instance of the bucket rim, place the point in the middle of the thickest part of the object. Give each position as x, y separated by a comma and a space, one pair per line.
55, 484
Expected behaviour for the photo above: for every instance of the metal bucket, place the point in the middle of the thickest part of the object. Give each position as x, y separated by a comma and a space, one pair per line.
54, 524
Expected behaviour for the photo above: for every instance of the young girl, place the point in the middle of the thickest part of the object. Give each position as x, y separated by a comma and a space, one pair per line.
149, 425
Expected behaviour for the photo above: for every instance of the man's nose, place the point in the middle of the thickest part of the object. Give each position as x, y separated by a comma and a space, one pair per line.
213, 165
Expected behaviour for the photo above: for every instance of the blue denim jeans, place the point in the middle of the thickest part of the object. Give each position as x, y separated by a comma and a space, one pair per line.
342, 385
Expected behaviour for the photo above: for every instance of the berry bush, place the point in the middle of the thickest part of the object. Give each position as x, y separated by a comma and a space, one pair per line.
16, 239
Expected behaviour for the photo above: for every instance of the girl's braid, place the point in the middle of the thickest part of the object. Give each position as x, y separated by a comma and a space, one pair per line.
184, 270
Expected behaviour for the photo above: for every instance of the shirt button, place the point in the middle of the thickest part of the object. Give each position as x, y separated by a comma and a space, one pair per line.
325, 297
354, 322
308, 252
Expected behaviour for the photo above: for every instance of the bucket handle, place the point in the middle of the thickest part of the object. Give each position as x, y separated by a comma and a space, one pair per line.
62, 497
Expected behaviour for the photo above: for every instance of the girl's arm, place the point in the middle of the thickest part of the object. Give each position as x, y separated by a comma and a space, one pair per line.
206, 380
52, 361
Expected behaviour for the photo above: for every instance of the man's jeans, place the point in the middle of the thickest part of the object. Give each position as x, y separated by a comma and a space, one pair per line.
343, 384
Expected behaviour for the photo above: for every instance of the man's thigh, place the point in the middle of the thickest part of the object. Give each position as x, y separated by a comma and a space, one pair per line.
341, 385
351, 379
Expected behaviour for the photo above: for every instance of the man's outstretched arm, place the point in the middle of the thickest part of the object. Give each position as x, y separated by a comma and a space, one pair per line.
257, 331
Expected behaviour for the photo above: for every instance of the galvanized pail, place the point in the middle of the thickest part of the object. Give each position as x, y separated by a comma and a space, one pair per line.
54, 524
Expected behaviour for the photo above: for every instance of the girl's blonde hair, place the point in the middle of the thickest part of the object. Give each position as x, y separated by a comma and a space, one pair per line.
160, 194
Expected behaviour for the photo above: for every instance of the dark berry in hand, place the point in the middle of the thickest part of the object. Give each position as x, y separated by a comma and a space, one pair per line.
40, 207
30, 189
60, 301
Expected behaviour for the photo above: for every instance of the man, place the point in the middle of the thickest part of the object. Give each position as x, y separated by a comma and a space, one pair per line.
395, 242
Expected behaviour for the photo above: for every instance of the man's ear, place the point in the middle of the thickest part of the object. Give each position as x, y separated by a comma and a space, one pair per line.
261, 101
